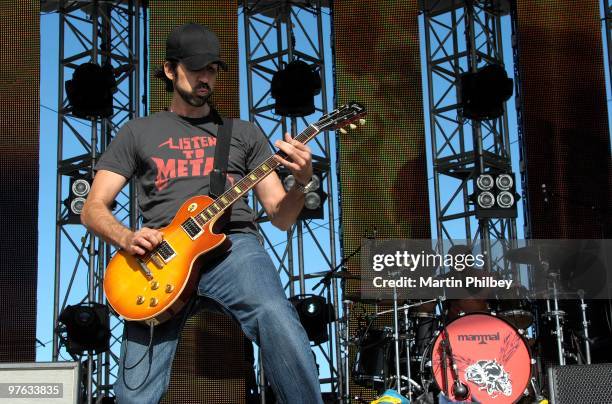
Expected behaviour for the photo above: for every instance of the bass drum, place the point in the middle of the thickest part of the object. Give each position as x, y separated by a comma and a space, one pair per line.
492, 359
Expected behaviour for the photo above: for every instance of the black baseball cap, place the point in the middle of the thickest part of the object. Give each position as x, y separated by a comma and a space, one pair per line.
194, 45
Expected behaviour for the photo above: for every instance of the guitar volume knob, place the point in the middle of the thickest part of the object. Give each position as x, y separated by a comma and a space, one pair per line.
169, 288
153, 302
154, 285
140, 300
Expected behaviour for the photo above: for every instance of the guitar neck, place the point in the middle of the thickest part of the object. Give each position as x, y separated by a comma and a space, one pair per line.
250, 180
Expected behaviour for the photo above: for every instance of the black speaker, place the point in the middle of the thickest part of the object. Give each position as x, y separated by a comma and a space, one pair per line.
584, 384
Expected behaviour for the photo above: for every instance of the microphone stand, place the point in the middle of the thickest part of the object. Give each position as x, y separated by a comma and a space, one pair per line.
460, 391
330, 274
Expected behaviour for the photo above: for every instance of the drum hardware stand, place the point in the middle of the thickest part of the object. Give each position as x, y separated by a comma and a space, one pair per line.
337, 272
556, 314
347, 336
539, 398
396, 342
396, 339
585, 328
406, 333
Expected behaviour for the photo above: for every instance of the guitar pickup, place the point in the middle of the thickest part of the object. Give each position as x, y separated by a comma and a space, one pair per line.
192, 228
165, 251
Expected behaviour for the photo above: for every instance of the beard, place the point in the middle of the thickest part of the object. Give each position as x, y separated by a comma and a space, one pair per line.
192, 97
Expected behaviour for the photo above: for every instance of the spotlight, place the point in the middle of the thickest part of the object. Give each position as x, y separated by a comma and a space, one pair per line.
316, 181
76, 205
484, 182
495, 196
288, 182
486, 200
313, 200
505, 199
80, 185
294, 88
314, 313
87, 328
482, 94
504, 182
90, 91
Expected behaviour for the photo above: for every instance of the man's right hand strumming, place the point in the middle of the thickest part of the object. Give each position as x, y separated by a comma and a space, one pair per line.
141, 241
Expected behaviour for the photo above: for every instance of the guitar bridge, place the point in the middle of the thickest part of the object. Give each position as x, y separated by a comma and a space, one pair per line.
145, 269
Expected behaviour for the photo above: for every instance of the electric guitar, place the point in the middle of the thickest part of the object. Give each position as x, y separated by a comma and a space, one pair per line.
152, 288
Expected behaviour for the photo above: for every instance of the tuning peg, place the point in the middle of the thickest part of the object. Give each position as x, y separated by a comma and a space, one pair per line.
353, 126
343, 131
362, 121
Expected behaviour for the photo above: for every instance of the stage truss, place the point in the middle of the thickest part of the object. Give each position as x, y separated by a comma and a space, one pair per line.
460, 37
275, 33
99, 32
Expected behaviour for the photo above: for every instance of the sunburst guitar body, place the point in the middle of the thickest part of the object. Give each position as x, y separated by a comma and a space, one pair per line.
154, 287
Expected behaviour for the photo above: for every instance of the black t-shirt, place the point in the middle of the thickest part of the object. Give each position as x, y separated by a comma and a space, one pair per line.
171, 158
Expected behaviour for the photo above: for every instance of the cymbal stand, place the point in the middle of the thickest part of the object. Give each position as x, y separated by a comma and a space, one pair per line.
585, 329
557, 315
347, 340
407, 344
396, 341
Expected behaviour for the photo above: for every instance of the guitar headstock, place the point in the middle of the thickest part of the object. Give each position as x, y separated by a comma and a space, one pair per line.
345, 115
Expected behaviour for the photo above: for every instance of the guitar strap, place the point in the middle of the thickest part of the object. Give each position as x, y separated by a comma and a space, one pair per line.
219, 172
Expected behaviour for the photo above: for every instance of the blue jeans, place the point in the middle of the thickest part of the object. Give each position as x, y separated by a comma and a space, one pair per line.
247, 286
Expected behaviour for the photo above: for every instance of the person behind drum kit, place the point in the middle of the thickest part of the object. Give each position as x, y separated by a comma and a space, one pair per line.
476, 302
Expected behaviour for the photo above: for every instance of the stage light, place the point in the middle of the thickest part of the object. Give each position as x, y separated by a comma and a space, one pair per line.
504, 182
482, 94
90, 91
87, 328
484, 182
80, 185
76, 205
314, 200
288, 182
294, 88
486, 200
495, 196
505, 199
314, 313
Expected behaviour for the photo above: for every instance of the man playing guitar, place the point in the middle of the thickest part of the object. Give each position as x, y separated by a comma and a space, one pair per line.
169, 154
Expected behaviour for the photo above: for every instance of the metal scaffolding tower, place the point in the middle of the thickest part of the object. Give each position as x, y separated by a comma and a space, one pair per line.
102, 32
276, 33
462, 36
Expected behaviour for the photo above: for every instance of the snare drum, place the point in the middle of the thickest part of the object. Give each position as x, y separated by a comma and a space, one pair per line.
491, 356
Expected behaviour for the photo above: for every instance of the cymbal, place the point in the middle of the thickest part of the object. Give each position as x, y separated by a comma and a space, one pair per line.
535, 254
344, 274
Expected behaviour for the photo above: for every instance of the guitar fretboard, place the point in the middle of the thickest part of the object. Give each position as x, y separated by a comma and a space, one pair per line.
249, 181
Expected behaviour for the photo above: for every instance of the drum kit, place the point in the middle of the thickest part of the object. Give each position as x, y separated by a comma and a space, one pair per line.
485, 351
